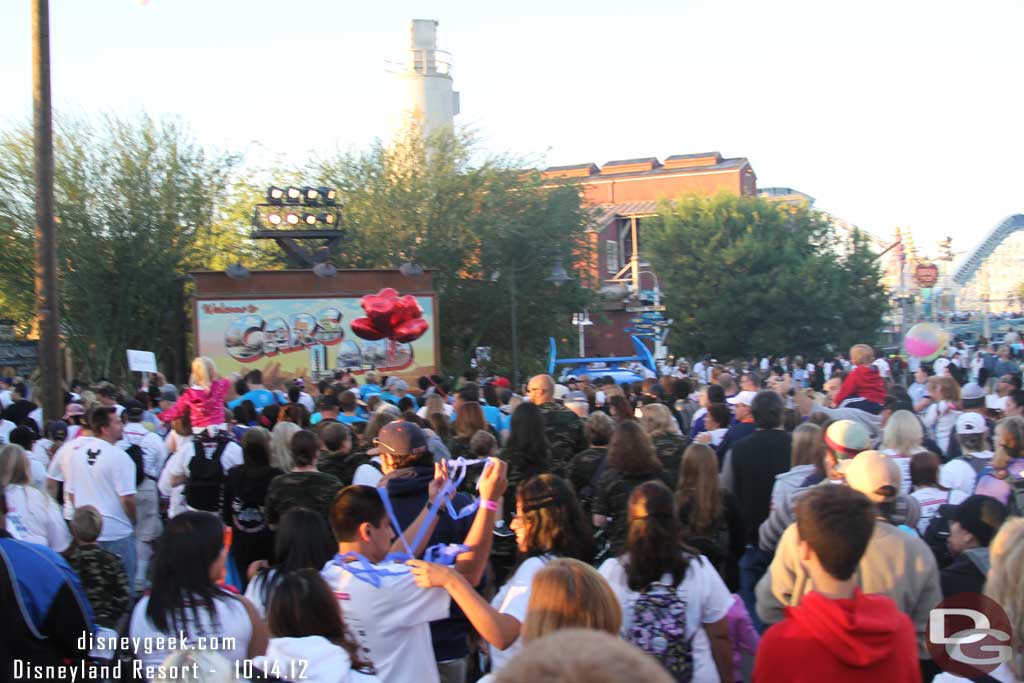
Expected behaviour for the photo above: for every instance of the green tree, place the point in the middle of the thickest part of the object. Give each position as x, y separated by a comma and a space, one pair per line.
745, 276
483, 226
138, 204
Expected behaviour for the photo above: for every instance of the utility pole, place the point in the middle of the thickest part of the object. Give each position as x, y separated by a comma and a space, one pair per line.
47, 298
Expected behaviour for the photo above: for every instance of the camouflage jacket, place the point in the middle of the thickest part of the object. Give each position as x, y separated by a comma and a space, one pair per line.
104, 581
669, 449
565, 434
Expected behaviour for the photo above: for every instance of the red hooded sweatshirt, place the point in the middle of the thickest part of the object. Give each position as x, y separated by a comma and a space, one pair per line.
863, 638
864, 382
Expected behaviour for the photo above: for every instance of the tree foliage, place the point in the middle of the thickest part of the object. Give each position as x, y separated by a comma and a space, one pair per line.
138, 204
480, 223
744, 276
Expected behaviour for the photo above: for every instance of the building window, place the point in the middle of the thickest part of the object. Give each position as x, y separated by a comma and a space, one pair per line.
611, 248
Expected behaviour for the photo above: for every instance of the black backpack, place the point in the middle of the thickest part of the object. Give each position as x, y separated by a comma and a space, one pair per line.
205, 474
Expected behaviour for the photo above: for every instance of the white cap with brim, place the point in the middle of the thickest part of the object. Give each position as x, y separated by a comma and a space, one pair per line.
743, 398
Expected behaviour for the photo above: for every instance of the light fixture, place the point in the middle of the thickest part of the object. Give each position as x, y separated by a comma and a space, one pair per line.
327, 218
309, 219
311, 196
236, 271
274, 218
292, 219
325, 270
275, 195
411, 269
293, 195
558, 275
328, 195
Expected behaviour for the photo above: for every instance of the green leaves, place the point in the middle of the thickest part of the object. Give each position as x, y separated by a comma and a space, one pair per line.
743, 276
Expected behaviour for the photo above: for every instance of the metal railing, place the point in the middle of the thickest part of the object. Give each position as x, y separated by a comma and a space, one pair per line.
424, 62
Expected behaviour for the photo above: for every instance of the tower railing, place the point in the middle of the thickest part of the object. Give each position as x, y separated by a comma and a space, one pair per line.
422, 62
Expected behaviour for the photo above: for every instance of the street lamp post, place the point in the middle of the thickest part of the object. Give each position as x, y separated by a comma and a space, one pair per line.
581, 320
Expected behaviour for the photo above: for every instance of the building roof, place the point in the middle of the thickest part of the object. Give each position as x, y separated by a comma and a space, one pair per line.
630, 162
606, 213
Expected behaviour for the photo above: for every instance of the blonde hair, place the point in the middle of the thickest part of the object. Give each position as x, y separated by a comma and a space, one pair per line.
212, 666
1005, 583
86, 524
699, 487
1012, 427
434, 404
808, 446
657, 420
568, 593
281, 445
903, 433
861, 354
14, 467
203, 372
579, 655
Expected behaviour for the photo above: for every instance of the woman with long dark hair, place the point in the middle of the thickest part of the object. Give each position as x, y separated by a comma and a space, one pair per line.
631, 461
658, 576
185, 597
527, 450
303, 541
309, 638
710, 515
548, 524
245, 492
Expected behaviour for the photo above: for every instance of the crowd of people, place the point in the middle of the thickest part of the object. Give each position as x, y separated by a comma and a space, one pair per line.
775, 520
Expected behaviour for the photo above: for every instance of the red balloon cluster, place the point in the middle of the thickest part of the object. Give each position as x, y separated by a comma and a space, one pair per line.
390, 316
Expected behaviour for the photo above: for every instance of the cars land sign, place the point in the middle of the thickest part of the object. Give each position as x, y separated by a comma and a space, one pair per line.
926, 274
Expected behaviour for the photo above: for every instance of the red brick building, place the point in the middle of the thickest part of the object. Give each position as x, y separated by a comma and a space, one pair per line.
622, 193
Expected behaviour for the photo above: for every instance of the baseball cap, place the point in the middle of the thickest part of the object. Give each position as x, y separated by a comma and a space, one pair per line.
978, 514
502, 382
399, 438
847, 438
133, 409
73, 410
743, 398
874, 474
561, 391
972, 395
576, 397
971, 423
398, 383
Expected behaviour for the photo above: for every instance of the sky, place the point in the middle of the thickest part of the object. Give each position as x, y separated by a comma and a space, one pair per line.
888, 112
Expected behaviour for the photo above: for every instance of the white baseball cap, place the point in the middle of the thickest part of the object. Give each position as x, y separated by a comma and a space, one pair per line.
971, 423
744, 397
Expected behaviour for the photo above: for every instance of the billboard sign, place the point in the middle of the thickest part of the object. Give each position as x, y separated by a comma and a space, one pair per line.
306, 337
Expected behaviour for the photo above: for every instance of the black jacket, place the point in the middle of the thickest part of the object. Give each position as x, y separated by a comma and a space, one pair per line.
966, 574
756, 460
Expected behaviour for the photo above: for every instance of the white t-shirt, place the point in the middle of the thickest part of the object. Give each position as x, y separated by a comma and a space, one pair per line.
176, 494
5, 399
883, 367
154, 452
513, 599
391, 623
958, 473
6, 427
707, 601
100, 474
60, 470
931, 499
233, 628
254, 591
367, 475
34, 517
903, 460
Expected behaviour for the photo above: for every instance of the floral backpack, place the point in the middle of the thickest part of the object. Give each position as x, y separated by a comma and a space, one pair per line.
658, 628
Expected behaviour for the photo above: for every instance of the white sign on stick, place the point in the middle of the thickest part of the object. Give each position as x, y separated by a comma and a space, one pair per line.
141, 361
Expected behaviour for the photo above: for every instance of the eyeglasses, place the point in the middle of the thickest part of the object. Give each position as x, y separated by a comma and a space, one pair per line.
530, 390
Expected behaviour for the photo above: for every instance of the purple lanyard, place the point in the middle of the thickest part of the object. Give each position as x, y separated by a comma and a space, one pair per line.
442, 553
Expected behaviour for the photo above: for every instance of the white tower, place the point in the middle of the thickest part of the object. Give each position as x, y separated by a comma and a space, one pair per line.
427, 73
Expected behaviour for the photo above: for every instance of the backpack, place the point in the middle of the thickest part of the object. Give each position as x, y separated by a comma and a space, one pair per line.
658, 628
977, 464
205, 474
